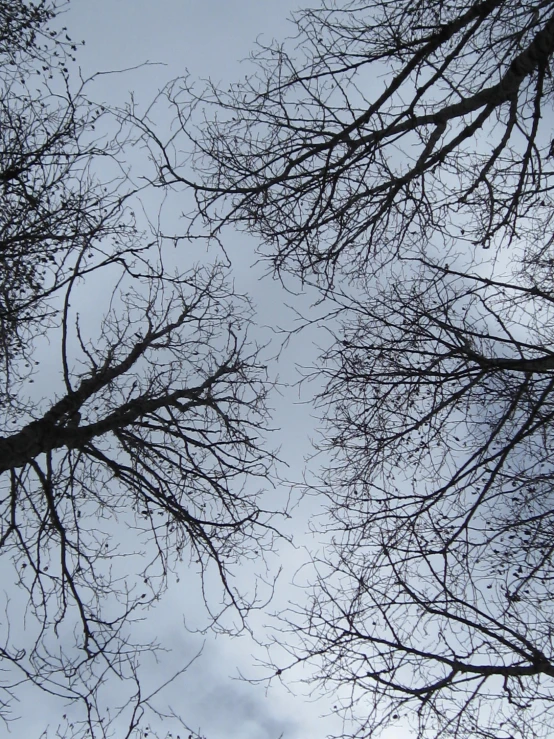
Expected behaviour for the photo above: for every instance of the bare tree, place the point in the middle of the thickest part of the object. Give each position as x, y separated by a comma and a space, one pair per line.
140, 445
331, 166
376, 161
434, 604
56, 213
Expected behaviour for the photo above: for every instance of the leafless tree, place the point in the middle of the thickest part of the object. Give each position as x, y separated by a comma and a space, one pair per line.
392, 124
377, 159
133, 412
434, 604
55, 211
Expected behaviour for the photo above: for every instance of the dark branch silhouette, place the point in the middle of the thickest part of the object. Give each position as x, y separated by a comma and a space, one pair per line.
376, 157
133, 416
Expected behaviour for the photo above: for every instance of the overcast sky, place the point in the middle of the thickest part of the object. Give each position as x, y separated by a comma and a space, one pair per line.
156, 41
206, 39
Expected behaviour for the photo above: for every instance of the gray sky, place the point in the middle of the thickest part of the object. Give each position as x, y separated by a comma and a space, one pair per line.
206, 39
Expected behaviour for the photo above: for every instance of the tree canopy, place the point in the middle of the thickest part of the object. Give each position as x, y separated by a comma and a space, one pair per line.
394, 124
398, 156
134, 411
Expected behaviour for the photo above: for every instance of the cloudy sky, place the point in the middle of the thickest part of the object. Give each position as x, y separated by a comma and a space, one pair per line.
207, 39
152, 42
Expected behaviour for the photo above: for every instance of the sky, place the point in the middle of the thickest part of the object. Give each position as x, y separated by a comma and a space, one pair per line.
206, 39
152, 42
157, 41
